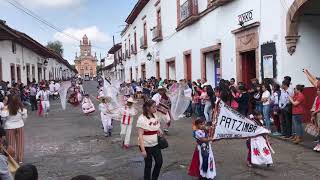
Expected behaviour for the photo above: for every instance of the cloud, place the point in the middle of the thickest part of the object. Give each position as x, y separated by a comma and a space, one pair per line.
93, 33
52, 3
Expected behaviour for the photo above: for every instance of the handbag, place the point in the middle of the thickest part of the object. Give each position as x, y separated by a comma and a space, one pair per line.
312, 129
12, 164
162, 142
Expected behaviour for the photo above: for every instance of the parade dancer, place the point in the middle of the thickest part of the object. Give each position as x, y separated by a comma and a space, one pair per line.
163, 107
261, 150
127, 91
202, 164
56, 90
52, 90
87, 105
44, 105
107, 113
126, 122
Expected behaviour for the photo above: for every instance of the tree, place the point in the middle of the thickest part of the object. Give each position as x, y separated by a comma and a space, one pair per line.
56, 46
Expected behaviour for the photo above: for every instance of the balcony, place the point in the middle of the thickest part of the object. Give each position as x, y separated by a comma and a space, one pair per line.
157, 34
133, 49
143, 43
127, 54
123, 57
188, 13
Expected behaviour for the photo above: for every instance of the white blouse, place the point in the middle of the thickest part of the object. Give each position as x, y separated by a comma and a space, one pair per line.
152, 124
16, 121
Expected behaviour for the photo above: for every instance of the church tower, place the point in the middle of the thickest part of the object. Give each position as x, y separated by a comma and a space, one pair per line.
85, 46
86, 63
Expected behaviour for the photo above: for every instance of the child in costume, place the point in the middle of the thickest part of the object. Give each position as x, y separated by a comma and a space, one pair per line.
126, 122
43, 96
87, 105
163, 107
107, 114
202, 165
259, 149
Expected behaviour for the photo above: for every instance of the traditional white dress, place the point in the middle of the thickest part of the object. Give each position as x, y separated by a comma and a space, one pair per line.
106, 114
260, 151
205, 151
126, 123
87, 106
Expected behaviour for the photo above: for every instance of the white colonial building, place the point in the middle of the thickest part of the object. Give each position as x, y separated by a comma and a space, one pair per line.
22, 59
217, 39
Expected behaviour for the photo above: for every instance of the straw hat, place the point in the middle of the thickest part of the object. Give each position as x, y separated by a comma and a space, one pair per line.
161, 88
130, 100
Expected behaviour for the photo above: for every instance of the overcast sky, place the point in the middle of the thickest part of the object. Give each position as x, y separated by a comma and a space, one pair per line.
99, 19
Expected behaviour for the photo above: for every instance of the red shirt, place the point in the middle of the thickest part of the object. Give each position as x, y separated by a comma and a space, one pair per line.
298, 109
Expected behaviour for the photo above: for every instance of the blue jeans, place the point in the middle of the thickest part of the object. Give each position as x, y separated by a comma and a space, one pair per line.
297, 124
189, 110
266, 115
197, 109
207, 111
259, 107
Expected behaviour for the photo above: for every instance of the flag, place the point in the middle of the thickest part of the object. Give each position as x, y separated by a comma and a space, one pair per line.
230, 124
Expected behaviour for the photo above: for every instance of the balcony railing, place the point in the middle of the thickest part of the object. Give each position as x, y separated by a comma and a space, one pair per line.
133, 49
127, 54
143, 43
188, 9
188, 13
157, 34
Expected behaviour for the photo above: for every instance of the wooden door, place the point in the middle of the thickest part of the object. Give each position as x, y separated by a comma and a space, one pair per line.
188, 68
158, 70
248, 65
12, 72
130, 74
145, 33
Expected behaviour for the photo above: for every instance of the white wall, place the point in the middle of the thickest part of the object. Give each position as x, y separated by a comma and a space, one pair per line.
22, 57
217, 26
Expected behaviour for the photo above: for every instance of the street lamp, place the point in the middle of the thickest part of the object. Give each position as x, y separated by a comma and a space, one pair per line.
149, 56
45, 63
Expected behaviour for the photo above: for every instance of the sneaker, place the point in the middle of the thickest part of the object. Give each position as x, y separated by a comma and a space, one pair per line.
106, 134
126, 146
276, 134
166, 131
317, 148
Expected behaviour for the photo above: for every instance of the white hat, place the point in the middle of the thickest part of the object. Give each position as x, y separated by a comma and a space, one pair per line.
204, 84
130, 100
161, 87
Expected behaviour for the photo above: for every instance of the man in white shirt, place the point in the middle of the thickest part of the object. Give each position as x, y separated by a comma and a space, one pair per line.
44, 95
56, 90
51, 89
286, 109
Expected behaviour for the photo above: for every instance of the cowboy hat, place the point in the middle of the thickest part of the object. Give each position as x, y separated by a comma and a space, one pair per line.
106, 98
130, 100
161, 87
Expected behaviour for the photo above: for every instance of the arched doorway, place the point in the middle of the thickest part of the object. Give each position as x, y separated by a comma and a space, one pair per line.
303, 42
297, 10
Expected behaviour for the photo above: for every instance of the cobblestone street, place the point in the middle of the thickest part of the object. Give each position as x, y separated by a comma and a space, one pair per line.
67, 144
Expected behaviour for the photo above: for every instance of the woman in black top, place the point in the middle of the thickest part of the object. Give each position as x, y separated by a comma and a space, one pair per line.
243, 101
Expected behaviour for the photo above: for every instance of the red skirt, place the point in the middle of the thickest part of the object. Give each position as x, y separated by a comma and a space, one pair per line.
194, 170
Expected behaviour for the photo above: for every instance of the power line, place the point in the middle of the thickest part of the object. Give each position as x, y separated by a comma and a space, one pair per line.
27, 11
